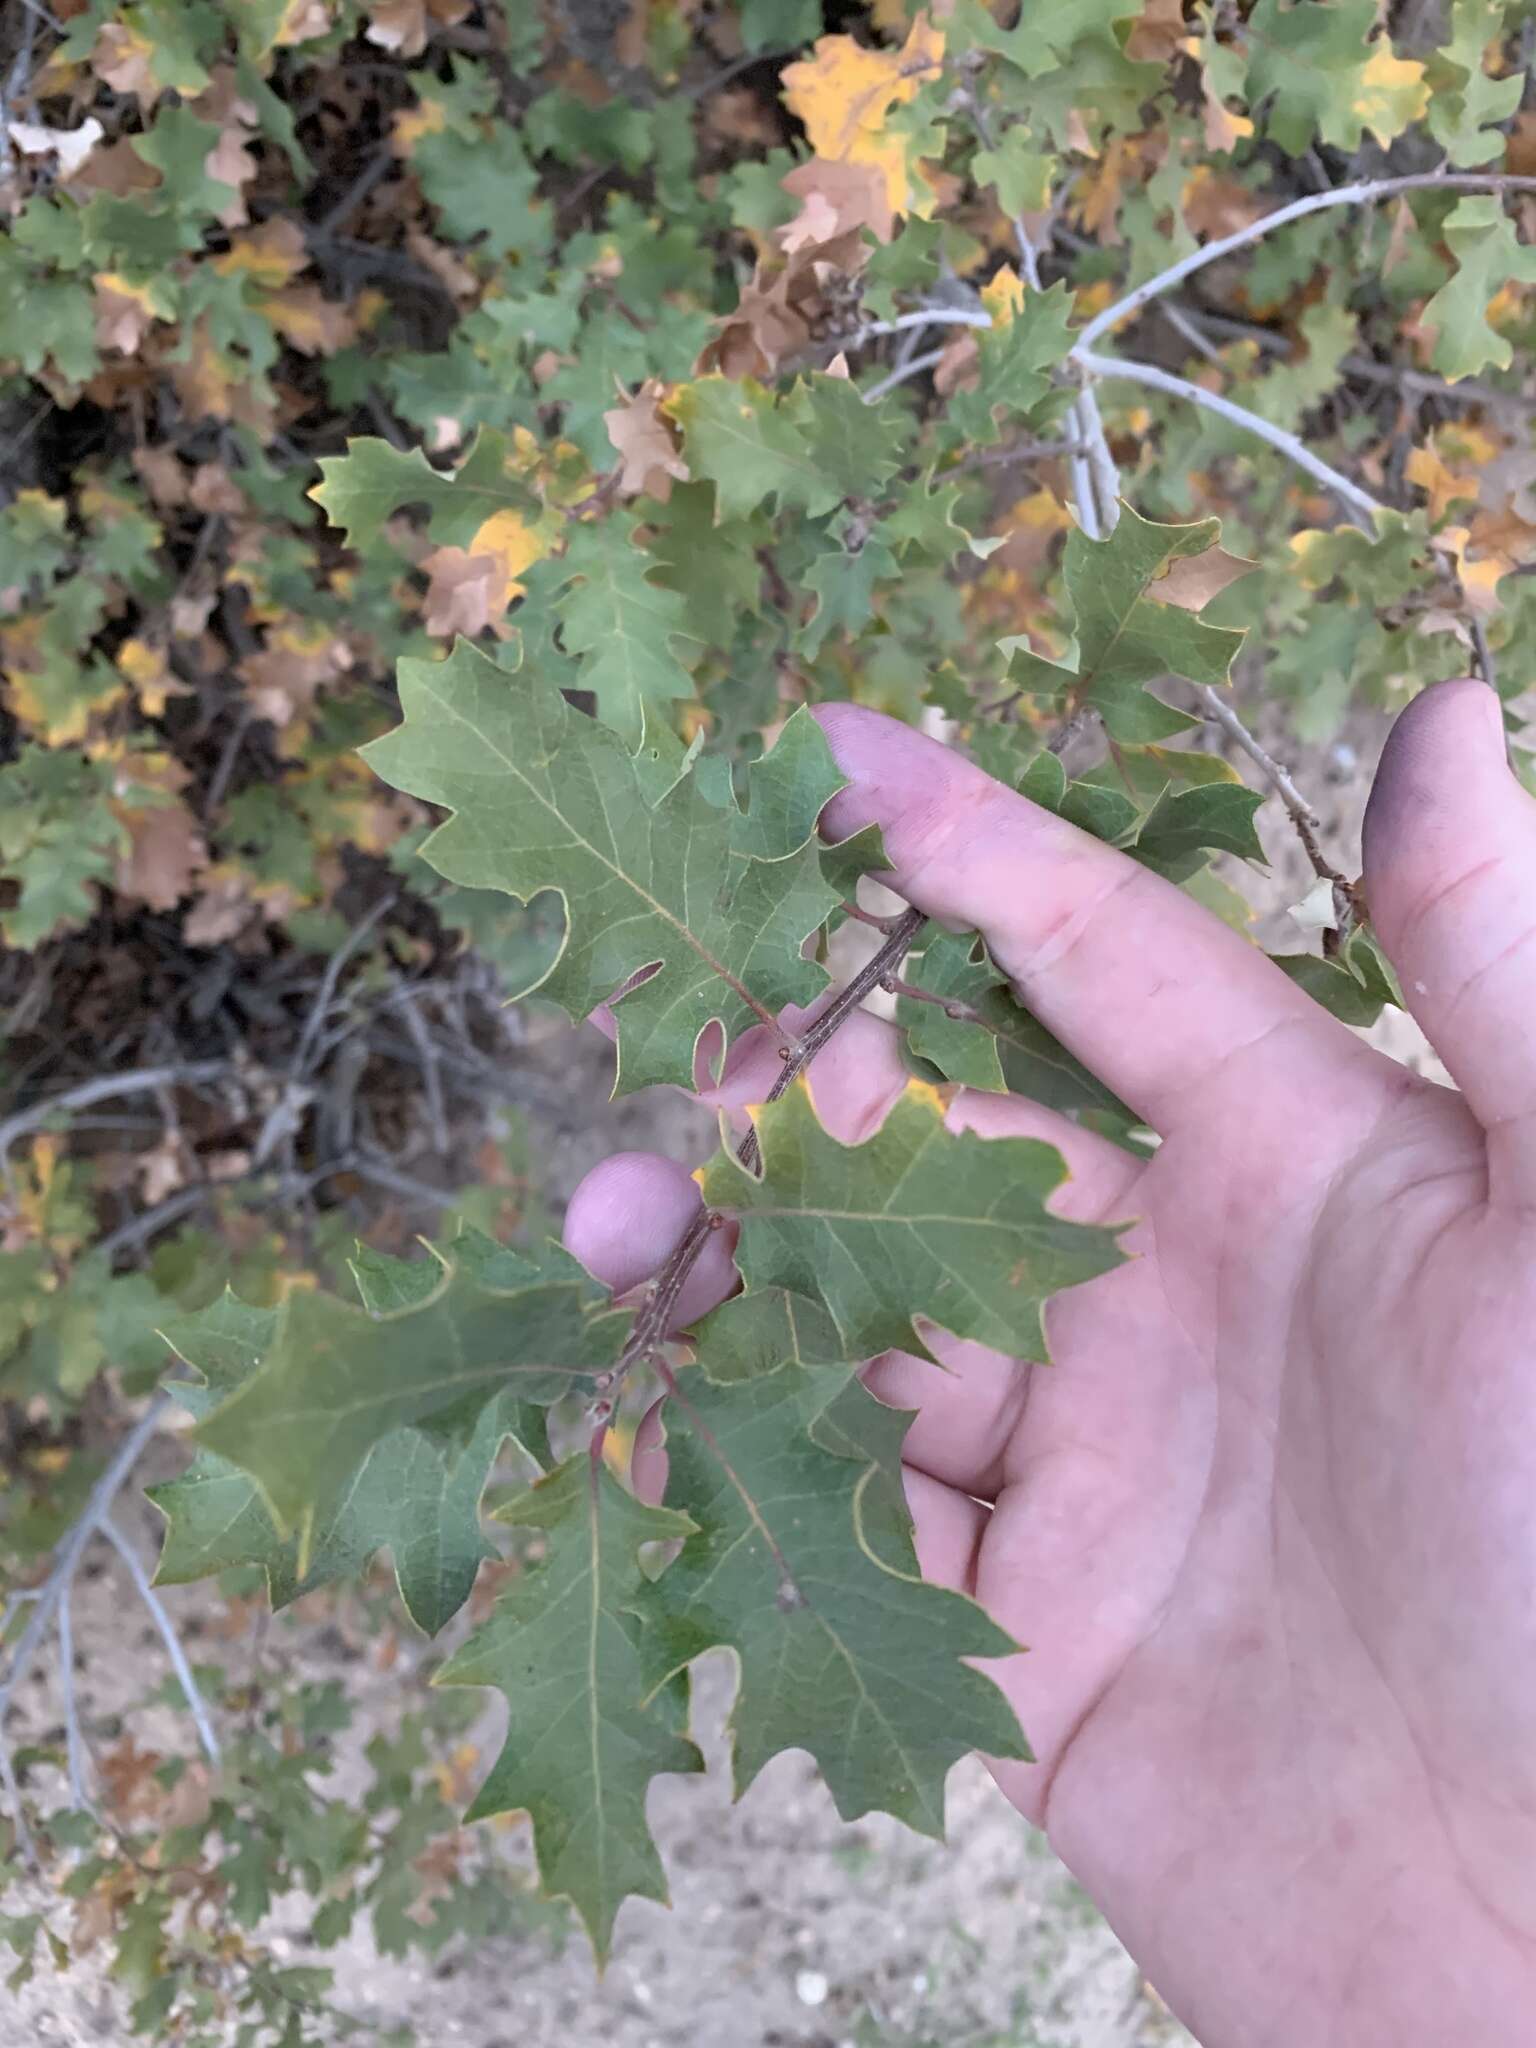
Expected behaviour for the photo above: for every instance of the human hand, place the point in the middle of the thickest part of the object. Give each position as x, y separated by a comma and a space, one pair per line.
1268, 1524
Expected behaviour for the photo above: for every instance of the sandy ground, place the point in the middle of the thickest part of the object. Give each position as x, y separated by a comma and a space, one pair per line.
789, 1929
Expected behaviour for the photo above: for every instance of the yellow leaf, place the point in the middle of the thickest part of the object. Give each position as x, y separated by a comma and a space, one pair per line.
1479, 580
1003, 295
512, 544
845, 93
270, 255
1426, 469
414, 123
1392, 94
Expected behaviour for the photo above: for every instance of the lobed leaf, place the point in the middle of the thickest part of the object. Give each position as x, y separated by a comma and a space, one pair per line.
919, 1221
545, 798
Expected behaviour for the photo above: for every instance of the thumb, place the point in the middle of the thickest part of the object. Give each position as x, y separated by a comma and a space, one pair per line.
1450, 877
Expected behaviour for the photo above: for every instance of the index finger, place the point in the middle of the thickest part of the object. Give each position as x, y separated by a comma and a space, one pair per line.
1149, 990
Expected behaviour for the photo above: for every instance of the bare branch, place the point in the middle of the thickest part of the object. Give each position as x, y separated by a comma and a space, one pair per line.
1357, 500
102, 1089
1303, 817
48, 1598
926, 361
178, 1656
1366, 193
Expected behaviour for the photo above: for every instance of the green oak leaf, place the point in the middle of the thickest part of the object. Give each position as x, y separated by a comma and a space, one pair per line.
1466, 105
839, 1653
178, 146
59, 841
546, 798
483, 185
844, 586
1308, 60
1015, 359
917, 1221
335, 1379
757, 1332
858, 446
808, 450
788, 789
1185, 826
621, 623
1008, 1049
1125, 639
1356, 987
1109, 814
1019, 170
581, 1749
713, 568
412, 1496
373, 481
1481, 236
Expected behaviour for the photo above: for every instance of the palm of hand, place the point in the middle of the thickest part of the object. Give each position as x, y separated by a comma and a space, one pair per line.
1268, 1525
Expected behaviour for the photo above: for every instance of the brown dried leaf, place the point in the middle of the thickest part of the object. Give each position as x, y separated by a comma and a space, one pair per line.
649, 458
450, 271
213, 489
165, 855
1159, 36
1216, 205
116, 169
163, 476
124, 314
221, 912
308, 321
465, 592
1193, 582
231, 163
398, 25
836, 198
295, 660
271, 255
123, 58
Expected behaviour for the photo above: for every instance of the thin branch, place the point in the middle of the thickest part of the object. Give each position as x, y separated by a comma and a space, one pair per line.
168, 1636
653, 1324
1085, 418
1365, 193
329, 979
961, 1013
1423, 385
47, 1598
102, 1089
1303, 817
1155, 379
73, 1739
925, 316
1184, 325
927, 361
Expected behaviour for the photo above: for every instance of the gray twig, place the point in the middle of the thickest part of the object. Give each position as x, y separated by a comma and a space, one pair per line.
105, 1086
1303, 817
329, 979
178, 1656
1155, 379
47, 1598
926, 361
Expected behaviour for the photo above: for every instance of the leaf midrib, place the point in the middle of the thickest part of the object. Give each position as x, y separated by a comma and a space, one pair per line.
716, 967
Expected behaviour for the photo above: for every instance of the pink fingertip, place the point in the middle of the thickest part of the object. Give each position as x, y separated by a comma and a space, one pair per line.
628, 1214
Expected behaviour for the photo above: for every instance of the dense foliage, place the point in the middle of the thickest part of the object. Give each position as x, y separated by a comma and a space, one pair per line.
632, 378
